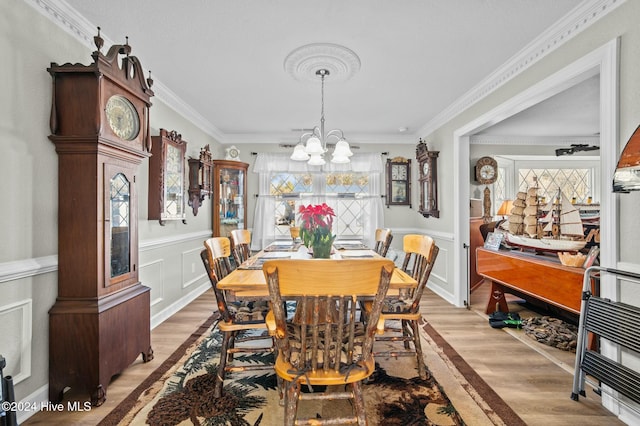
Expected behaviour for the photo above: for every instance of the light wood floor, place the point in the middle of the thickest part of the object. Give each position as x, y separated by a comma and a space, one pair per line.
535, 380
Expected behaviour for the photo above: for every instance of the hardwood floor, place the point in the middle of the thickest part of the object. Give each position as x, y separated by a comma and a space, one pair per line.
535, 380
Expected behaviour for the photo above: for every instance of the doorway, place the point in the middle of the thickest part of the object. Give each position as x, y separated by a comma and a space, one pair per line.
602, 61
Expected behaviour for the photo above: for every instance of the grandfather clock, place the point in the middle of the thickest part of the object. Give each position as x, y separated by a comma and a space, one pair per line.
99, 123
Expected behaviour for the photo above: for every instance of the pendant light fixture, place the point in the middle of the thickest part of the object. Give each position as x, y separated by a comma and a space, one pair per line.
313, 145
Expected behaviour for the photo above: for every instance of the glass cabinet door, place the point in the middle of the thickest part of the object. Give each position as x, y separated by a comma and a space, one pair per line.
230, 189
167, 183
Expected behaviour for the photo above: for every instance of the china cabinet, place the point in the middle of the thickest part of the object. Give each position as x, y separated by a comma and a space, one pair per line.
167, 177
100, 321
229, 201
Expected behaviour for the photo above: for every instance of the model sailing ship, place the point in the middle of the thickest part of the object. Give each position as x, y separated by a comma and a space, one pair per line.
558, 230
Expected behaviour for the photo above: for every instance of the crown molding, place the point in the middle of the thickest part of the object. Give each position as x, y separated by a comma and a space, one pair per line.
579, 19
79, 27
572, 24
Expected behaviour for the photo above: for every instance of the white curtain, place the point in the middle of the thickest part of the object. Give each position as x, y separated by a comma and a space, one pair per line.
268, 163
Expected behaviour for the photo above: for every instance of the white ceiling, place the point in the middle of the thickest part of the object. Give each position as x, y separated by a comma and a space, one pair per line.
224, 58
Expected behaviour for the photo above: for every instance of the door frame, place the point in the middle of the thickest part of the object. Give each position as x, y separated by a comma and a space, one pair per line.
603, 61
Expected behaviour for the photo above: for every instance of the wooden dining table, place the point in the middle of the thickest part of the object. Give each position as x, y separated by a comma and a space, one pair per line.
248, 281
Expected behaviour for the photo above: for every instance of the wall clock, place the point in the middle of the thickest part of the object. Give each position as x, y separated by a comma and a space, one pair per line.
167, 179
399, 182
428, 161
233, 154
487, 174
486, 170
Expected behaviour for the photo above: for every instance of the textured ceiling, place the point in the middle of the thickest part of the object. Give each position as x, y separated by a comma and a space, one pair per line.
225, 59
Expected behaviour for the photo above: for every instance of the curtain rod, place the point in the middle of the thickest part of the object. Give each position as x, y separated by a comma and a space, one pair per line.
382, 153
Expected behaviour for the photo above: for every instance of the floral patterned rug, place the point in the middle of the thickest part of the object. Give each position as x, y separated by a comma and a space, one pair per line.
395, 395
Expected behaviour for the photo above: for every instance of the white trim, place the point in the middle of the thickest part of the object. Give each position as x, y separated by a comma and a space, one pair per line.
534, 140
25, 308
25, 268
578, 20
167, 312
157, 243
603, 60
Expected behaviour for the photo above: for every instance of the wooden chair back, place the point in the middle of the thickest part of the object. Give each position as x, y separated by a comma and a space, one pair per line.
326, 343
420, 255
382, 241
326, 339
215, 258
241, 245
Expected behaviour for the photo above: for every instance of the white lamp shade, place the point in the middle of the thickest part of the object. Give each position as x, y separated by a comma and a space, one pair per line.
314, 146
316, 160
342, 149
299, 154
340, 159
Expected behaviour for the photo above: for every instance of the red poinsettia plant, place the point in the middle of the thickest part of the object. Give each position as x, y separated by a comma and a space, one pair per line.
315, 225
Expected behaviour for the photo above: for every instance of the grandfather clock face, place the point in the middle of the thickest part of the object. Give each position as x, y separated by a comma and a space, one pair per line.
122, 117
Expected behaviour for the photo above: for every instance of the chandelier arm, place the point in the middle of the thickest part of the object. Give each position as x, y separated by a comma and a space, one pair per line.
316, 148
336, 133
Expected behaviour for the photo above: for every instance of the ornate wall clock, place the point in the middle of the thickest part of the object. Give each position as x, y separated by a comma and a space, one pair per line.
487, 174
428, 163
399, 182
167, 178
100, 322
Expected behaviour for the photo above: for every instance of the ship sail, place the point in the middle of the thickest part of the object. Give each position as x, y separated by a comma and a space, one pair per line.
559, 229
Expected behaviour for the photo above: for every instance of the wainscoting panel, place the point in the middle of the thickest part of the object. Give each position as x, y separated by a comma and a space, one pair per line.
192, 268
152, 276
15, 339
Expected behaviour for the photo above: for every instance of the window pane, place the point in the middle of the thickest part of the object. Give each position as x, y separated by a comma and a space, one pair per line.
574, 183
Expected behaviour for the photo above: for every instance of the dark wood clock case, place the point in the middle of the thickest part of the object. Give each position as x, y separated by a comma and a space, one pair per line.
100, 322
428, 181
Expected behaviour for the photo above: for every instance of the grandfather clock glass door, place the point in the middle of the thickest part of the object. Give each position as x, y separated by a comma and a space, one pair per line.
120, 241
120, 215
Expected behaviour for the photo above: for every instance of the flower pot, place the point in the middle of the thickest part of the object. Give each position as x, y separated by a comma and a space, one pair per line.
322, 249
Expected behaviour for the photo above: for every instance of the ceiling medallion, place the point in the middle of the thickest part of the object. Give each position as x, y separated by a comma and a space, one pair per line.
304, 62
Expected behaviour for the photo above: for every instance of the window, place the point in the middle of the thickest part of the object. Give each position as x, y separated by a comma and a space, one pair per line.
576, 177
575, 184
352, 190
343, 191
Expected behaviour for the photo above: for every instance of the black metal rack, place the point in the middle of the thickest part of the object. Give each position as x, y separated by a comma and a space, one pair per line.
616, 322
7, 412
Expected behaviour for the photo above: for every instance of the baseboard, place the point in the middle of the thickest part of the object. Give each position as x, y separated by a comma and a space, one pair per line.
166, 313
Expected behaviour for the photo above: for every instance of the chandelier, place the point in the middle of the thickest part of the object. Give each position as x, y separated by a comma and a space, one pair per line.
313, 145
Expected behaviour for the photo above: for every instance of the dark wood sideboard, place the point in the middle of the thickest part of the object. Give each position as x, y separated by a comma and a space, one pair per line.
531, 276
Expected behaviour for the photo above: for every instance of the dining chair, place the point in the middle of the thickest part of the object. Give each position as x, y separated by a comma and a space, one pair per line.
382, 241
328, 344
241, 245
236, 317
420, 255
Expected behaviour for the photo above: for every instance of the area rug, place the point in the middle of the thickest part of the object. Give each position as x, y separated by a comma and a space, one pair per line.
395, 395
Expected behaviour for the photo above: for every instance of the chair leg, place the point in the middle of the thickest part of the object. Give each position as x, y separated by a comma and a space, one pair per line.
422, 368
358, 403
291, 397
227, 336
406, 334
